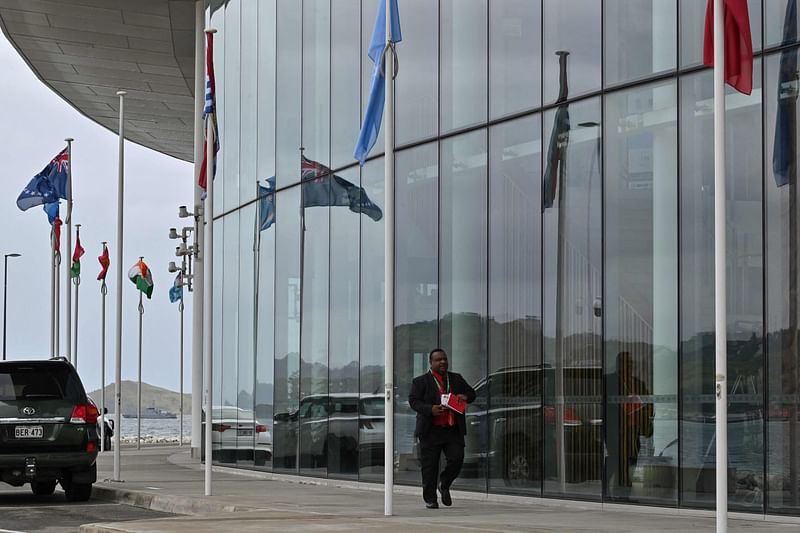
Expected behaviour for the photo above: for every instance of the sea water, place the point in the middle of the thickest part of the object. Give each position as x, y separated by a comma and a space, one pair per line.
157, 428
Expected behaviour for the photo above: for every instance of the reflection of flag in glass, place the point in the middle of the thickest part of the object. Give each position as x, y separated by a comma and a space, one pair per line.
176, 291
556, 157
321, 188
75, 269
373, 115
141, 276
266, 204
48, 185
105, 261
784, 155
209, 114
738, 44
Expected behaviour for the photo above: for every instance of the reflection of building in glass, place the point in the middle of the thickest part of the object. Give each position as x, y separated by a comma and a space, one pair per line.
559, 245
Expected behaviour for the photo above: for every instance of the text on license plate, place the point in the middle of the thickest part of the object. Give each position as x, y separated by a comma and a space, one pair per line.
28, 432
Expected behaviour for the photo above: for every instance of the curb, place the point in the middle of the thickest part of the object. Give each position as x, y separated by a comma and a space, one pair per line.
182, 505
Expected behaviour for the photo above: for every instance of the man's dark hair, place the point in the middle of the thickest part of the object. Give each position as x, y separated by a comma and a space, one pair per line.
430, 355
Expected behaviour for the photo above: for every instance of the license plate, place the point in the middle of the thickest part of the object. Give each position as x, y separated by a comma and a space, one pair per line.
245, 432
28, 432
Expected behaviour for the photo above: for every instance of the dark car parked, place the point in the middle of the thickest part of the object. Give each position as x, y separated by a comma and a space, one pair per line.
48, 428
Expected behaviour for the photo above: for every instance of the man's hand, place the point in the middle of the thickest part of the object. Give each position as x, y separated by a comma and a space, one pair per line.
438, 410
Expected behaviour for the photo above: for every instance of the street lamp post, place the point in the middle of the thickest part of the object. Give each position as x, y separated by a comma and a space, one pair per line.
5, 297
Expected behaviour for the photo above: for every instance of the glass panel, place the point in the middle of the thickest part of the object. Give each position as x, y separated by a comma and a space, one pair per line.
417, 89
573, 411
693, 20
780, 99
515, 56
317, 80
373, 302
416, 290
345, 80
462, 309
343, 425
265, 341
744, 294
229, 105
248, 158
640, 38
246, 429
514, 385
218, 361
571, 26
230, 338
265, 155
289, 90
780, 22
641, 287
287, 329
463, 52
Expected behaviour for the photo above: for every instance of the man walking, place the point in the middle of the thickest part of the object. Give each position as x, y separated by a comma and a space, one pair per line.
439, 428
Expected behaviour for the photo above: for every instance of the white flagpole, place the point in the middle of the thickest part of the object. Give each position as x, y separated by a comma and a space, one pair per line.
77, 283
118, 356
58, 300
103, 292
139, 378
208, 295
197, 282
68, 320
388, 273
720, 311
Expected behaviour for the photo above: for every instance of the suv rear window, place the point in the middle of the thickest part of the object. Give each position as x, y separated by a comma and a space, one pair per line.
39, 381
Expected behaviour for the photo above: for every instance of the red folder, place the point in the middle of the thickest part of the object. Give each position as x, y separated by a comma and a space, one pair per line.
452, 401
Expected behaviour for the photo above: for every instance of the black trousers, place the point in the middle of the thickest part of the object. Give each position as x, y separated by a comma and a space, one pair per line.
440, 440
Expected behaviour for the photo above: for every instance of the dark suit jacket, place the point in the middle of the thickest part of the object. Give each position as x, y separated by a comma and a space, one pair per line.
425, 394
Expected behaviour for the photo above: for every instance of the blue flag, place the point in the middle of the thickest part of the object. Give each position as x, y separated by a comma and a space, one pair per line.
559, 141
784, 155
48, 185
52, 211
266, 204
374, 113
176, 291
321, 188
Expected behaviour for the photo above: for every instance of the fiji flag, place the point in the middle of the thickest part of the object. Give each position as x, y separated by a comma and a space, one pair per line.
176, 291
48, 185
266, 204
374, 113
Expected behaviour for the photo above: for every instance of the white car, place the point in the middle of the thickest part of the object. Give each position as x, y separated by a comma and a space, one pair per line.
236, 435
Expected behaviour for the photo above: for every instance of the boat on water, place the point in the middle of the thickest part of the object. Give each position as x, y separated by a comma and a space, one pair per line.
151, 412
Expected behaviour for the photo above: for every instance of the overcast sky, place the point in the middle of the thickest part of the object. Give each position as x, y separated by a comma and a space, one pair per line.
36, 122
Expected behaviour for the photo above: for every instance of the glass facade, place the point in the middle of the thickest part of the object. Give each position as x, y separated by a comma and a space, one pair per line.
553, 231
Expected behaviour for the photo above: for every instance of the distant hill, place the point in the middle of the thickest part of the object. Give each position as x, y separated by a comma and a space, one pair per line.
152, 396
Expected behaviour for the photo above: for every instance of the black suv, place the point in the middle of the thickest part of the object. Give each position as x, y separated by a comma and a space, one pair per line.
48, 428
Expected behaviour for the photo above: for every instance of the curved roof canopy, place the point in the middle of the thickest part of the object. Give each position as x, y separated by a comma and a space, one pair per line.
86, 50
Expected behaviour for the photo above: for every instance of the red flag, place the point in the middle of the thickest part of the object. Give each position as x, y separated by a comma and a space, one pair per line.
105, 261
738, 44
57, 233
209, 114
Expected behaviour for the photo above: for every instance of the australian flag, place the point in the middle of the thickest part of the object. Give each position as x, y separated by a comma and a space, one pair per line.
48, 185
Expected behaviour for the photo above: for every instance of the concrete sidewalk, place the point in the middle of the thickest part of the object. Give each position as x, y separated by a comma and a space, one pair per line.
167, 479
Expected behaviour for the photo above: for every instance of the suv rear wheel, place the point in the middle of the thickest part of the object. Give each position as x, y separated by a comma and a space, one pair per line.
77, 492
43, 488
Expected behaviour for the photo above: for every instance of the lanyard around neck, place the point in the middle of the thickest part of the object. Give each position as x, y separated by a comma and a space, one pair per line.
439, 385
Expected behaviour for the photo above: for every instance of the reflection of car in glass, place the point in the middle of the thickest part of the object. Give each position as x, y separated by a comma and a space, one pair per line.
517, 450
236, 435
326, 424
48, 428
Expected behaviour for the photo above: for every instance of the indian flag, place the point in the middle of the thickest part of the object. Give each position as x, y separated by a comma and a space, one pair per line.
140, 275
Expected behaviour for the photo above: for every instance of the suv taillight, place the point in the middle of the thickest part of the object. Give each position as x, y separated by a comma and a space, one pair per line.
84, 413
261, 428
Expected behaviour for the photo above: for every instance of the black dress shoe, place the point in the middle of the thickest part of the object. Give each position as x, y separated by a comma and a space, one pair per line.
432, 505
446, 499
